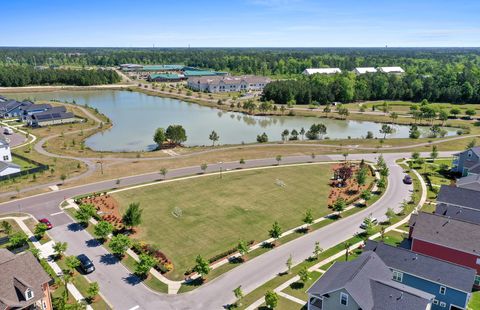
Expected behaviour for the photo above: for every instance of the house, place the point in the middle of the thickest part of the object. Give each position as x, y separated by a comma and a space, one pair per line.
12, 108
311, 71
471, 181
467, 162
364, 283
391, 70
32, 109
428, 274
216, 84
364, 70
7, 168
24, 283
446, 238
51, 117
5, 153
166, 77
459, 203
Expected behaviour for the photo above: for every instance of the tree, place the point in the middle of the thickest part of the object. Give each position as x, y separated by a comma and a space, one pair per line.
242, 161
119, 244
40, 230
443, 116
63, 177
159, 137
308, 218
85, 213
361, 177
304, 275
276, 231
382, 183
369, 135
203, 167
18, 240
289, 263
471, 144
271, 299
60, 248
315, 131
470, 112
339, 205
278, 158
345, 155
176, 134
415, 156
386, 130
317, 250
72, 263
414, 132
394, 116
302, 132
163, 172
6, 228
285, 134
242, 248
144, 264
346, 246
368, 225
92, 291
327, 110
213, 137
103, 229
263, 138
434, 153
454, 112
238, 294
133, 215
202, 267
390, 214
366, 195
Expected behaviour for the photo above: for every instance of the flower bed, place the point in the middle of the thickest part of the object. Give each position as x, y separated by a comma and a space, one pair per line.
164, 265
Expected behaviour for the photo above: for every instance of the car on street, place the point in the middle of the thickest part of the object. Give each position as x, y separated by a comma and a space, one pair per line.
46, 222
407, 179
364, 224
86, 263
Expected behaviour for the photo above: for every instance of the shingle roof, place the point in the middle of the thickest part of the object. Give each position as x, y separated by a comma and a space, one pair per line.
35, 107
447, 232
52, 115
458, 213
469, 179
19, 272
4, 165
458, 196
368, 280
424, 266
229, 80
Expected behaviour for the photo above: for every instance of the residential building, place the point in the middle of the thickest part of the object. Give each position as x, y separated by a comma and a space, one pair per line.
450, 283
364, 70
24, 283
166, 77
459, 203
51, 117
446, 238
7, 168
471, 181
364, 283
5, 153
391, 70
216, 84
467, 162
311, 71
12, 108
34, 108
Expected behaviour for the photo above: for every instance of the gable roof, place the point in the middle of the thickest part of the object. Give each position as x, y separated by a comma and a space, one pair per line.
459, 196
20, 272
36, 107
363, 70
52, 115
368, 280
447, 232
391, 69
458, 213
309, 71
475, 149
4, 165
469, 180
424, 266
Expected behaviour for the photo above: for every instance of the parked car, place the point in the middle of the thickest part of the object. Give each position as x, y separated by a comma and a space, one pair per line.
86, 264
46, 222
407, 179
8, 131
364, 225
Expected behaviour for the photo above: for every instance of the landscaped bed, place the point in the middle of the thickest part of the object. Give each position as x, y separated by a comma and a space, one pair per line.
209, 215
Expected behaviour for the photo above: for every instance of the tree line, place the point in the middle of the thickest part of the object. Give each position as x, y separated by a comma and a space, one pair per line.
16, 76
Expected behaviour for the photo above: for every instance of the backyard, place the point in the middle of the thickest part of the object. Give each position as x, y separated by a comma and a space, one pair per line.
209, 215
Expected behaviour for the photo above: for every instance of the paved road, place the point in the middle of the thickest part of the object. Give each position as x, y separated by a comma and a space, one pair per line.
125, 292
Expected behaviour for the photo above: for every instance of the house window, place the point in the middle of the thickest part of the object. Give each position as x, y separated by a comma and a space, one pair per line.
435, 301
28, 294
443, 290
5, 157
344, 299
443, 304
478, 260
477, 280
397, 276
469, 154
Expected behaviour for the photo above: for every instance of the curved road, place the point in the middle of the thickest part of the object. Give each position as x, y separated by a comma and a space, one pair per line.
125, 292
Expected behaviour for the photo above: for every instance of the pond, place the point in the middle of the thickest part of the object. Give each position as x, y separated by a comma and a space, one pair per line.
135, 117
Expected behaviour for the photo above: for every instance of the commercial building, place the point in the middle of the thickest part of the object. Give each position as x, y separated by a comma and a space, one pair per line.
166, 77
391, 70
365, 70
216, 84
311, 71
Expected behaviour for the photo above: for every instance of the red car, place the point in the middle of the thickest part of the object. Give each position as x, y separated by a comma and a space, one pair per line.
46, 222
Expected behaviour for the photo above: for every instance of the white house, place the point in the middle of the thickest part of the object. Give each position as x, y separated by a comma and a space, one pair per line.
220, 84
5, 154
311, 71
364, 70
391, 70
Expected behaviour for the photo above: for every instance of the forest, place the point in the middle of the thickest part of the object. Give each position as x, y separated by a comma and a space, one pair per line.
23, 75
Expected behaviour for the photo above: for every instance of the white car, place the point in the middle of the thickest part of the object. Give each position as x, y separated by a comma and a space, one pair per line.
364, 225
7, 131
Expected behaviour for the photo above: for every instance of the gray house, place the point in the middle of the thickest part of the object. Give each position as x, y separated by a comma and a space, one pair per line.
365, 283
459, 203
467, 162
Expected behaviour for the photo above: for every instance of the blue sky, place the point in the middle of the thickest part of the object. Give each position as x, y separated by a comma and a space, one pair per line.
244, 23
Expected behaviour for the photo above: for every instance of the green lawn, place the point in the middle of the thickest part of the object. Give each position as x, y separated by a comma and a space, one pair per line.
299, 290
393, 237
474, 301
216, 213
24, 165
285, 304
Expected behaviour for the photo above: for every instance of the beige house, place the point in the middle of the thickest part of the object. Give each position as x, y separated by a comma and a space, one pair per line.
220, 84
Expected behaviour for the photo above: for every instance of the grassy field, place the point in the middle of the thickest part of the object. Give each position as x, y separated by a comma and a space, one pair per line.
216, 213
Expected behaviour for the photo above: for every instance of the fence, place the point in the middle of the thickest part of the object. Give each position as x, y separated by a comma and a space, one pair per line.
40, 168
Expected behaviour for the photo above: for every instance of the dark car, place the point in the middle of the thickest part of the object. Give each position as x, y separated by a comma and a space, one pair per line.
407, 179
86, 264
46, 222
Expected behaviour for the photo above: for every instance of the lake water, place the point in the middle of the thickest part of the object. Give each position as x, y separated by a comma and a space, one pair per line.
135, 117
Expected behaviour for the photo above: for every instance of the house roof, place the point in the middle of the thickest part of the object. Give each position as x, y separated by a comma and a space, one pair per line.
52, 115
36, 107
363, 70
458, 213
471, 179
310, 71
229, 80
20, 272
166, 76
475, 149
189, 73
4, 165
391, 69
459, 196
451, 233
3, 142
424, 266
368, 280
